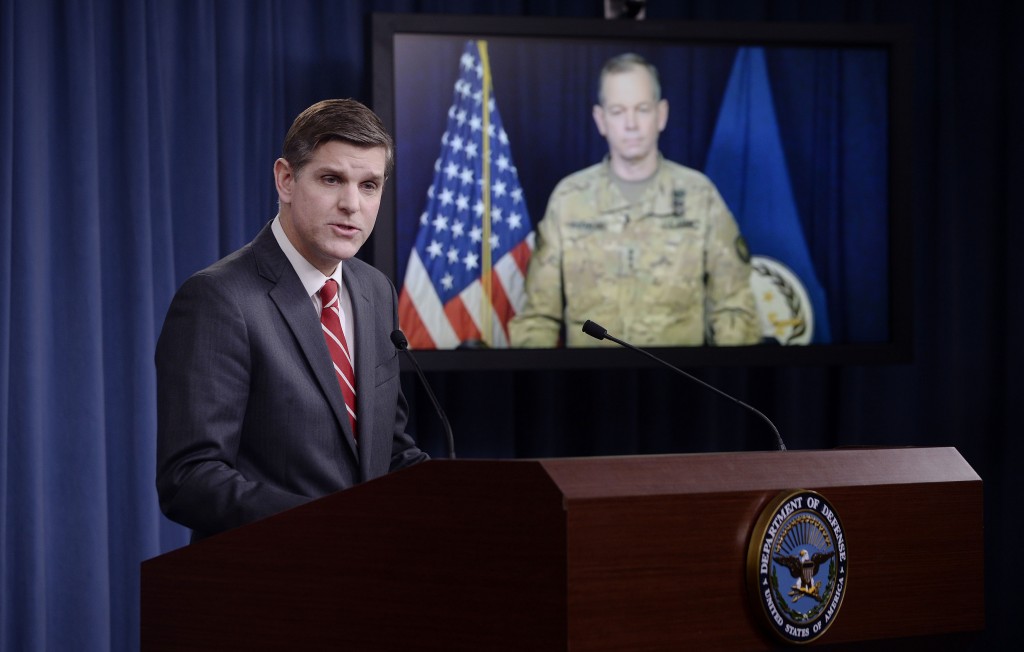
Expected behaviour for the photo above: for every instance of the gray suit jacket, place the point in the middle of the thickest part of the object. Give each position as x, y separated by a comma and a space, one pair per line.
250, 417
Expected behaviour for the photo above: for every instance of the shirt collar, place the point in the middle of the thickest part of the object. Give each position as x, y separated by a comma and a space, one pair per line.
312, 279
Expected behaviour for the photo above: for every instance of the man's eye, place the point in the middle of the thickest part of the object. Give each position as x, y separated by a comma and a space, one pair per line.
329, 179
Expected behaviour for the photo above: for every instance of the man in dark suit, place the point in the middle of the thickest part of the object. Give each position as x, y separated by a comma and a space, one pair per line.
262, 404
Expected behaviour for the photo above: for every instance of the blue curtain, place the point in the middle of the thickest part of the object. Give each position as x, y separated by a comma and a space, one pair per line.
138, 139
136, 143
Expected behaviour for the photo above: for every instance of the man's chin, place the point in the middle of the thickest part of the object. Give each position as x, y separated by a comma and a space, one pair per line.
345, 247
636, 154
348, 252
337, 254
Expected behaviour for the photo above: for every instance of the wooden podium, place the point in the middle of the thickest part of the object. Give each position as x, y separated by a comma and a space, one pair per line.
614, 553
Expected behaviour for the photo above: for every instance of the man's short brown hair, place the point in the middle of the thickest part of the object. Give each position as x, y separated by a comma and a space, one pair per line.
346, 120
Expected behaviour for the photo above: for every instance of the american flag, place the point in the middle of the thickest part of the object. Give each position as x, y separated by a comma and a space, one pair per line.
457, 291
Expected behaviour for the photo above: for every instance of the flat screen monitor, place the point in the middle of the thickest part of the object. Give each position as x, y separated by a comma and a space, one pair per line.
802, 131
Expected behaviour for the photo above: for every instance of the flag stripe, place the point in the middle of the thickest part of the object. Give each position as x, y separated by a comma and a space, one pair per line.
409, 319
429, 312
462, 319
521, 254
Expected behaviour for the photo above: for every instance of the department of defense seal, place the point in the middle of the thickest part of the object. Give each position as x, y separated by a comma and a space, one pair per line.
797, 565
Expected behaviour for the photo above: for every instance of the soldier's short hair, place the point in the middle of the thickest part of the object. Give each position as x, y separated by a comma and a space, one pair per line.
624, 63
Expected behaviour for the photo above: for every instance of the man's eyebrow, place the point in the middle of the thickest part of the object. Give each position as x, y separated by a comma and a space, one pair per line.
623, 105
376, 178
328, 170
324, 169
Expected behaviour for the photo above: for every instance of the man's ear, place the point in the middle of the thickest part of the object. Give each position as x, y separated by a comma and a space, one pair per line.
662, 114
284, 179
599, 120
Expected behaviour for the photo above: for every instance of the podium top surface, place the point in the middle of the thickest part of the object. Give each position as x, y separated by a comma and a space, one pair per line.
606, 477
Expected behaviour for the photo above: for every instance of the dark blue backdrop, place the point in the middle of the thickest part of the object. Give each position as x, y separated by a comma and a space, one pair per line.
136, 143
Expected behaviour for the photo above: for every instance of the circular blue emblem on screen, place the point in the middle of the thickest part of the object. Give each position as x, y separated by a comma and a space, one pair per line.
796, 565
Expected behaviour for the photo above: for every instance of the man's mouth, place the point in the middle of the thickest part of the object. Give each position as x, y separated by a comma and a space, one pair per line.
344, 229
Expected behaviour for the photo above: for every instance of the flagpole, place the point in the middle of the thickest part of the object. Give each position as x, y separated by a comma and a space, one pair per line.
485, 246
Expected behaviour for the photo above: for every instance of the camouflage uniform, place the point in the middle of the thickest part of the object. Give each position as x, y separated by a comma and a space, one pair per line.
638, 269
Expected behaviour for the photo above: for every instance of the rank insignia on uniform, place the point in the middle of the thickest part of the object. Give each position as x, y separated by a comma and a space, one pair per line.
583, 225
679, 202
797, 565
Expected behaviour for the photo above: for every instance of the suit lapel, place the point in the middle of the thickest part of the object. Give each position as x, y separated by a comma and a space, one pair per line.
365, 345
297, 309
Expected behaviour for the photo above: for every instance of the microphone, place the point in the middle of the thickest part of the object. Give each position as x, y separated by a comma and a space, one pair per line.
402, 344
599, 332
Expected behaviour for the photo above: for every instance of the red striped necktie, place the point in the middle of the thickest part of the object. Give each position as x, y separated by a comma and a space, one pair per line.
330, 324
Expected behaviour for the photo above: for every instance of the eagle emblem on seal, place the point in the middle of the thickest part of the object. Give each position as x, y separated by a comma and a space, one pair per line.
803, 569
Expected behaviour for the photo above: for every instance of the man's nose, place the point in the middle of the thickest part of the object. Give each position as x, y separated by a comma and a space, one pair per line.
348, 198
